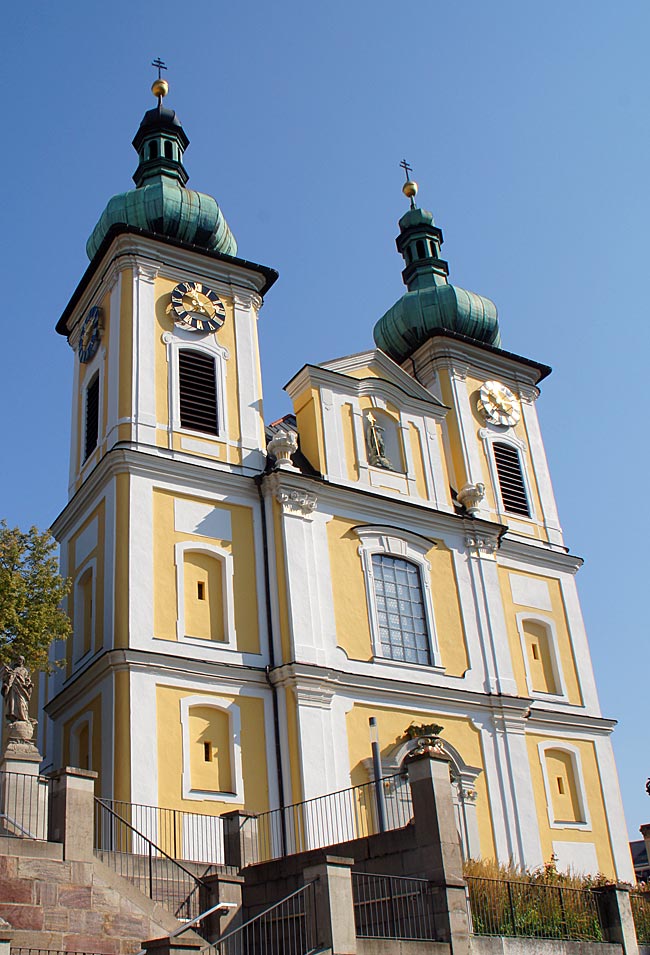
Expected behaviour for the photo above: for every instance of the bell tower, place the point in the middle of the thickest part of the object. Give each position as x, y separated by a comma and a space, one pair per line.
161, 534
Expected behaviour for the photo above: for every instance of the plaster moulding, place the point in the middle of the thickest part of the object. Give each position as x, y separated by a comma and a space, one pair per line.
294, 500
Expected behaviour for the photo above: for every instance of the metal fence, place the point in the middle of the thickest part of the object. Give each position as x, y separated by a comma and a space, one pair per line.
533, 910
387, 906
287, 928
327, 820
24, 806
640, 902
146, 865
189, 836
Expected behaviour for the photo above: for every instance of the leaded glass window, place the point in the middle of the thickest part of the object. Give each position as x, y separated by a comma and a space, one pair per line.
400, 609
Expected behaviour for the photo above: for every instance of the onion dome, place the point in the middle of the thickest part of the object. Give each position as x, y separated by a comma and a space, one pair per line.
430, 303
161, 203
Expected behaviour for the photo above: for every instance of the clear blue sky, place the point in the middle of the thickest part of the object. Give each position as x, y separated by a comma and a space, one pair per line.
528, 129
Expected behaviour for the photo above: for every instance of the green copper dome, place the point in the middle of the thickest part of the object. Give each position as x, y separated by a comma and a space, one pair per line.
161, 203
430, 303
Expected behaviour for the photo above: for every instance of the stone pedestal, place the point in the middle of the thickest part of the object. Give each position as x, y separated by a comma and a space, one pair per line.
222, 887
240, 838
23, 792
72, 812
616, 917
334, 904
438, 854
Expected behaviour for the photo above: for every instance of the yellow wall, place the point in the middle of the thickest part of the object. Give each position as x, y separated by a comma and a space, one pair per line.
558, 616
351, 604
122, 736
281, 573
540, 664
593, 794
391, 724
242, 548
418, 461
170, 753
347, 425
210, 760
121, 628
203, 597
310, 427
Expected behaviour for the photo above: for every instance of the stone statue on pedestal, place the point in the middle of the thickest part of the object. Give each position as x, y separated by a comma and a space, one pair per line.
17, 687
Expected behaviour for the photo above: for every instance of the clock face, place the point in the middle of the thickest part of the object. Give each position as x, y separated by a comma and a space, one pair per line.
91, 334
197, 308
498, 404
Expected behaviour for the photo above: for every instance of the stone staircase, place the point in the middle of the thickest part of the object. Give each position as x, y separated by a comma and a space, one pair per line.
73, 906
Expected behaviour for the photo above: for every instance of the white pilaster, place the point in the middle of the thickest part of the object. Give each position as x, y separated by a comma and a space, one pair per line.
614, 810
144, 334
522, 821
248, 380
540, 465
141, 549
113, 360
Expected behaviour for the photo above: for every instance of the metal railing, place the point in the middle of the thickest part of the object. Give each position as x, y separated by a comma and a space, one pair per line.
326, 820
190, 836
287, 928
146, 865
24, 806
533, 910
640, 902
387, 906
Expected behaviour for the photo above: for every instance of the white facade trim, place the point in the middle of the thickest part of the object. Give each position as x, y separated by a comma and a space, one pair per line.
576, 762
228, 593
231, 709
86, 719
89, 565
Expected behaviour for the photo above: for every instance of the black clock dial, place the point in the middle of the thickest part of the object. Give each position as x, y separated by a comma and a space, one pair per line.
90, 335
197, 307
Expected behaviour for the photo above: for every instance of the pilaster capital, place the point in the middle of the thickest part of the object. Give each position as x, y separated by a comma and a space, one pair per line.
244, 299
458, 370
481, 546
294, 500
317, 696
528, 393
146, 271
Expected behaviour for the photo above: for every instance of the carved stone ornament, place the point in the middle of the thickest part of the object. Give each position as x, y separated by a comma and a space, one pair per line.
293, 500
282, 445
427, 746
482, 546
470, 496
468, 794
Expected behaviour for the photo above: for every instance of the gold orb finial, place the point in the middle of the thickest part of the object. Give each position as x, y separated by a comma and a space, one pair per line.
160, 88
410, 189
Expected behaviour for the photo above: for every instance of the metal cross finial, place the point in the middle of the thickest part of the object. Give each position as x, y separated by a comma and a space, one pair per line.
407, 169
160, 65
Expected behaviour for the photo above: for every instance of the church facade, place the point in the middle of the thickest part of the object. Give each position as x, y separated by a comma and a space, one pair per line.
245, 598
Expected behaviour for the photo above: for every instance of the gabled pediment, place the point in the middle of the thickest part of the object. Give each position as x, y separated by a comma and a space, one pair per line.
377, 364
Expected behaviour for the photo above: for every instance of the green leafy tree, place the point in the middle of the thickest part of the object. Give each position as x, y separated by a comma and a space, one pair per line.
31, 591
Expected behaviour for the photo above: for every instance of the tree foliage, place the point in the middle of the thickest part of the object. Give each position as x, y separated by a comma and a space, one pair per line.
31, 591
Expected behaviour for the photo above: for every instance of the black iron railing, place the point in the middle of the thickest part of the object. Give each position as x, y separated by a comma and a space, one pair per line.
146, 865
533, 910
287, 928
189, 836
387, 906
24, 806
327, 820
640, 902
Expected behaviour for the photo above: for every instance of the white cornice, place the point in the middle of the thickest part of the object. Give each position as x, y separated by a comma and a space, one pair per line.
401, 390
449, 353
175, 263
513, 553
189, 476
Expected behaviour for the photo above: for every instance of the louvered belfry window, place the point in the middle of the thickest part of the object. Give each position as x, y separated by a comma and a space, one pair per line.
198, 391
511, 478
92, 417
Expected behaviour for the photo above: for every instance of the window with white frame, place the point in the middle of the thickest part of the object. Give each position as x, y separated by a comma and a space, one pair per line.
197, 383
541, 655
205, 593
511, 478
212, 767
91, 423
564, 785
398, 588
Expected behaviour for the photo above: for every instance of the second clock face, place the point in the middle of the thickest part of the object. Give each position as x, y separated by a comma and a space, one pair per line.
498, 404
197, 307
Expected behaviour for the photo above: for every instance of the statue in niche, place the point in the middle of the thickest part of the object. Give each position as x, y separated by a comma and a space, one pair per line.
375, 444
17, 689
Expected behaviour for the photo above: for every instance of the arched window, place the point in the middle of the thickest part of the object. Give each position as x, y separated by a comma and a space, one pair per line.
511, 478
197, 391
153, 150
565, 792
91, 430
543, 669
169, 150
205, 591
400, 610
419, 245
211, 730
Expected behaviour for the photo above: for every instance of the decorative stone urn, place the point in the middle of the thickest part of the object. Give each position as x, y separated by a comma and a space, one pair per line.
470, 496
431, 746
282, 445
